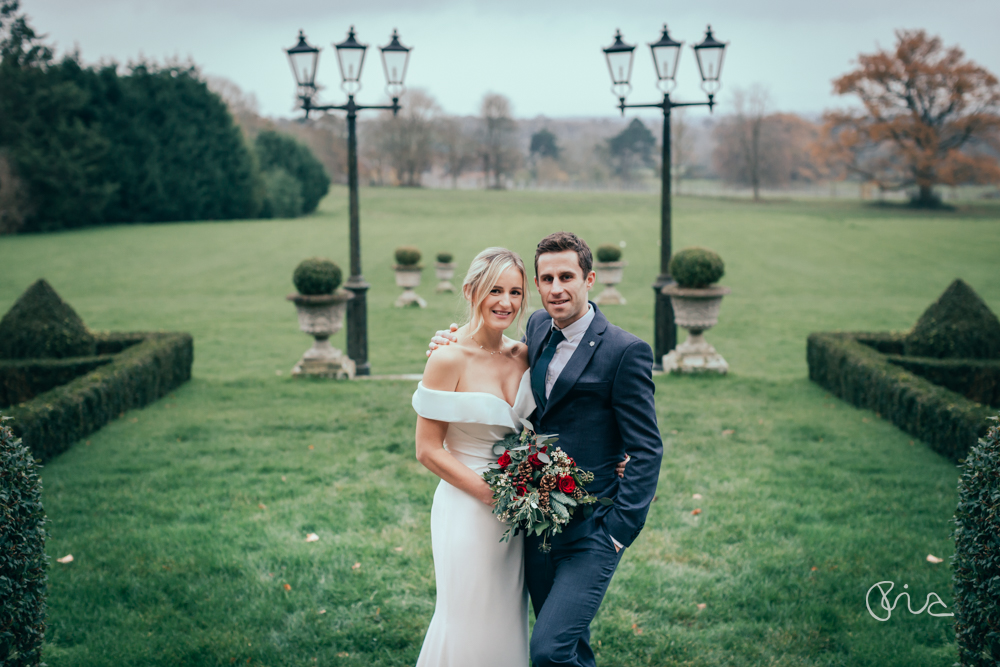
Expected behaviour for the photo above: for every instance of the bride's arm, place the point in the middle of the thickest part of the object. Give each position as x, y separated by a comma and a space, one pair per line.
442, 373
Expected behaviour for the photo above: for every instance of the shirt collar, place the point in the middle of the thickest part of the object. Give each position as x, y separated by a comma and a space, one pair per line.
579, 327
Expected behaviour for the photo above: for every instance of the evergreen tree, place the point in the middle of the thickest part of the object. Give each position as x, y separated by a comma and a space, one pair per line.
280, 151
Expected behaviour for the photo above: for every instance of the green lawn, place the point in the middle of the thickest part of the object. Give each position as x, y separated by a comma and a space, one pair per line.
187, 519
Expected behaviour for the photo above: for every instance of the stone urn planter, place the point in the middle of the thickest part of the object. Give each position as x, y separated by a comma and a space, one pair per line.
610, 274
444, 271
408, 272
408, 277
322, 316
697, 310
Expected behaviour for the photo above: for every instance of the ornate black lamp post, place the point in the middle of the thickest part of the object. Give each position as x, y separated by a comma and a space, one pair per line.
304, 60
666, 54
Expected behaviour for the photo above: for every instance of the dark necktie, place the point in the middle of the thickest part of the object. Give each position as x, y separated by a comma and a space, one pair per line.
541, 368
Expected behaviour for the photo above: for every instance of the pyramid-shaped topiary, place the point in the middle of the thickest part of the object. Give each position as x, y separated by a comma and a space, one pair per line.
959, 325
41, 325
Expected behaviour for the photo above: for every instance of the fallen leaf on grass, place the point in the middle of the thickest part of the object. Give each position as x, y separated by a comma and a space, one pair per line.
864, 419
283, 479
135, 420
813, 568
696, 511
934, 559
262, 506
88, 443
312, 537
911, 443
311, 447
701, 605
287, 587
638, 630
277, 372
321, 611
728, 431
760, 421
697, 496
68, 558
674, 432
343, 654
356, 566
398, 549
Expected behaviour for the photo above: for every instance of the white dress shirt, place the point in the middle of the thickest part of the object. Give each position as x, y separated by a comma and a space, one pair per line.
564, 350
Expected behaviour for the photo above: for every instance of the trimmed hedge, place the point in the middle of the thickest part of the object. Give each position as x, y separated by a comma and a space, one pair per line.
855, 368
316, 275
977, 380
21, 381
959, 325
977, 555
696, 267
40, 325
23, 561
146, 367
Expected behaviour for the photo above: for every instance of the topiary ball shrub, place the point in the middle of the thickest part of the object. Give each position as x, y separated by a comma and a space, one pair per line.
23, 561
316, 276
442, 257
407, 255
977, 554
696, 267
609, 253
40, 325
958, 325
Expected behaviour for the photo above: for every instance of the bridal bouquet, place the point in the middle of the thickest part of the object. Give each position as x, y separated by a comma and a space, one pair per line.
537, 490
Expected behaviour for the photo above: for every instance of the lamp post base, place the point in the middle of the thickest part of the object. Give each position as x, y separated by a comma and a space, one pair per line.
357, 325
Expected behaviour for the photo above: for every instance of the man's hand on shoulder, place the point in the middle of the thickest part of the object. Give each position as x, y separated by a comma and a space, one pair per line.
443, 337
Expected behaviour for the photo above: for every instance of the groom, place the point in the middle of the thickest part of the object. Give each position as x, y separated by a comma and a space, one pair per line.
592, 383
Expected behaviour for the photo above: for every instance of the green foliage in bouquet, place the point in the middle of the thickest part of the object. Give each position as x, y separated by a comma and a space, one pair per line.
537, 491
445, 257
696, 267
977, 558
22, 557
609, 253
407, 255
316, 275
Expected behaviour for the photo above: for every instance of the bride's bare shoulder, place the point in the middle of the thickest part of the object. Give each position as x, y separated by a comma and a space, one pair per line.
445, 367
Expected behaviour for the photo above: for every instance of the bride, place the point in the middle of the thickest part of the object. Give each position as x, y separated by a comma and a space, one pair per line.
474, 393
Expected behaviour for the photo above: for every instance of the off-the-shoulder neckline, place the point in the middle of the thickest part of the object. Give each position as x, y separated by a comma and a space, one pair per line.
484, 393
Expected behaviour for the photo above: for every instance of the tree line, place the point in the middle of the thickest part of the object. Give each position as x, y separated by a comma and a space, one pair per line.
143, 143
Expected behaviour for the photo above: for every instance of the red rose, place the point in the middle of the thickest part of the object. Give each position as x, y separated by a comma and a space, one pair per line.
543, 448
572, 462
521, 490
535, 461
567, 484
504, 460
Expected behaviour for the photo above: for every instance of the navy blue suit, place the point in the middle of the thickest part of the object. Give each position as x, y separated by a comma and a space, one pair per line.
601, 406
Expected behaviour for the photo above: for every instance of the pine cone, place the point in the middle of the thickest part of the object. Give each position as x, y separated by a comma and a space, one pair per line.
543, 500
547, 483
524, 469
578, 493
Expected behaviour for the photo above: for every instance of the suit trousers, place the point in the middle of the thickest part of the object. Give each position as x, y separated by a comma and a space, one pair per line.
567, 586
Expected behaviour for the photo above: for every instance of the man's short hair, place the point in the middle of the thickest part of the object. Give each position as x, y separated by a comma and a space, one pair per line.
562, 241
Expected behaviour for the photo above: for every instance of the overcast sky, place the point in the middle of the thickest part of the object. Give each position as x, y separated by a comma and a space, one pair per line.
545, 55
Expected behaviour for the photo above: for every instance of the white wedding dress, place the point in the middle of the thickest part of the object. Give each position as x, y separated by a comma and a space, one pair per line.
481, 615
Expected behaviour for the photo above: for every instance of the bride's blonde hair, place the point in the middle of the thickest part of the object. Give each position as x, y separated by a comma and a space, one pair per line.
483, 274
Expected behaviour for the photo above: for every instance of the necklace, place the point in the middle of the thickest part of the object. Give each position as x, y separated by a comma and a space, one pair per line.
492, 352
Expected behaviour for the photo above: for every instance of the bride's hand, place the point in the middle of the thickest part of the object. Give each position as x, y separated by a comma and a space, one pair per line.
620, 468
443, 337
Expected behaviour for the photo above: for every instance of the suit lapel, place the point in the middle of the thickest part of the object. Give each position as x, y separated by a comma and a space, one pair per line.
589, 343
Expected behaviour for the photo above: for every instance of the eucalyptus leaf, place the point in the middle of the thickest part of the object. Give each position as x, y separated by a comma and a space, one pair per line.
559, 509
520, 449
544, 458
494, 466
588, 511
606, 501
499, 449
561, 497
550, 439
527, 425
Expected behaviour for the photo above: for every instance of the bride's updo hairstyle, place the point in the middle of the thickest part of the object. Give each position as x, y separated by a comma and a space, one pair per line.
483, 274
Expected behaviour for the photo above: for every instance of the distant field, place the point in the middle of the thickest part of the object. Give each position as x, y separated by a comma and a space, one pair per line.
187, 519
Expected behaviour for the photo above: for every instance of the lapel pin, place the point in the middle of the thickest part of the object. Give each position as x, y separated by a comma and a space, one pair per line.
591, 343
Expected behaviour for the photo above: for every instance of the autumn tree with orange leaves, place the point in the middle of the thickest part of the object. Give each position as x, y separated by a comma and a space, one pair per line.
930, 117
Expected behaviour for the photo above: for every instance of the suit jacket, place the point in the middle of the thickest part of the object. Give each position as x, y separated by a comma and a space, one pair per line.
601, 406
